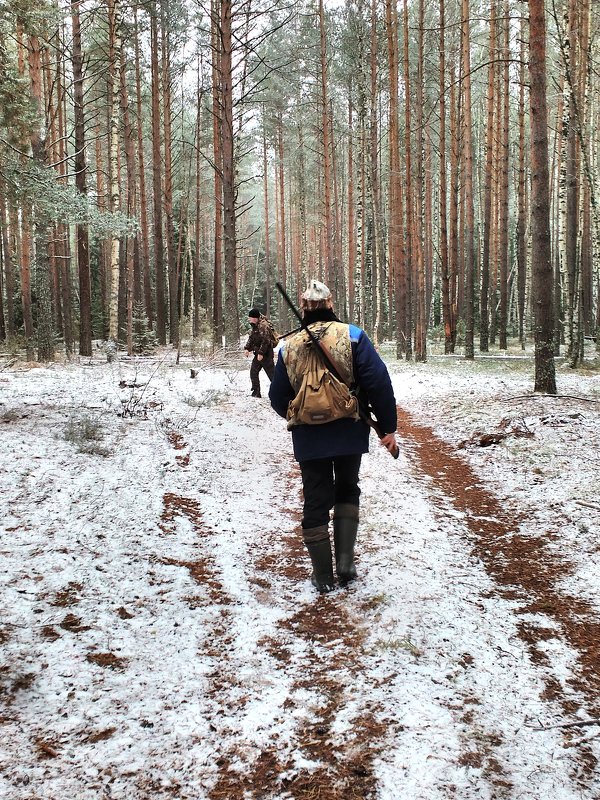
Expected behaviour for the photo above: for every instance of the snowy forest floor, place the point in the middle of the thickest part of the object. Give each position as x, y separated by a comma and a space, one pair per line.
159, 637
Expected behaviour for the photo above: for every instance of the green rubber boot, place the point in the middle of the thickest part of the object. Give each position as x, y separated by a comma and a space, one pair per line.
319, 549
345, 526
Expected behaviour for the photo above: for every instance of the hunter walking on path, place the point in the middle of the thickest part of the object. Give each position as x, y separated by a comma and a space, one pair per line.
261, 342
329, 446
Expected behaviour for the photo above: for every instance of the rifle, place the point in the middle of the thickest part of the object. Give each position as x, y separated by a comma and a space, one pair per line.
282, 335
364, 410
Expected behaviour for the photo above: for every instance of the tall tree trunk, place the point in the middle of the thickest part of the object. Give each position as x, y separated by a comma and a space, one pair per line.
454, 181
232, 327
496, 187
64, 238
24, 232
504, 218
282, 258
325, 143
133, 282
2, 316
421, 291
267, 232
81, 230
377, 251
56, 249
487, 198
338, 273
409, 194
521, 193
159, 254
277, 235
217, 83
145, 255
572, 185
469, 230
587, 200
428, 272
103, 244
302, 266
545, 378
114, 33
397, 265
351, 209
7, 264
45, 328
444, 259
173, 277
25, 261
196, 261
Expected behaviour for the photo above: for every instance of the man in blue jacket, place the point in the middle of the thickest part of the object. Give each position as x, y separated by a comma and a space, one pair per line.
329, 454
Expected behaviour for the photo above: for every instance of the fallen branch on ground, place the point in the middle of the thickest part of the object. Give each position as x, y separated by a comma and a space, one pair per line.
553, 396
8, 364
507, 427
588, 505
581, 724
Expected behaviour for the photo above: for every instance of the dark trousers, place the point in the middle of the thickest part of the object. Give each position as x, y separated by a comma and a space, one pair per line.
269, 367
327, 482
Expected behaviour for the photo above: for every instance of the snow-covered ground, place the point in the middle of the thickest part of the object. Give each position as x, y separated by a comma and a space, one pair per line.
159, 637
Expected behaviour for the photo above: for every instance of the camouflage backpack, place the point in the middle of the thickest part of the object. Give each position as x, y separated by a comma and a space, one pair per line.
272, 333
320, 396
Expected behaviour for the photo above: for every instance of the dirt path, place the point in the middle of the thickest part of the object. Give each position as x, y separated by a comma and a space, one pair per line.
525, 569
319, 645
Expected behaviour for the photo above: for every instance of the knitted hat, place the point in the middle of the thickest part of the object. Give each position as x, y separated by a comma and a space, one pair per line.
254, 313
316, 291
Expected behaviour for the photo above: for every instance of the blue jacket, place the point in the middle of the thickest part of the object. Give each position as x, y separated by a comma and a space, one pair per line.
343, 437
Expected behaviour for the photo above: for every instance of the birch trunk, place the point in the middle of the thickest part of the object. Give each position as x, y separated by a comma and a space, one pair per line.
114, 33
8, 267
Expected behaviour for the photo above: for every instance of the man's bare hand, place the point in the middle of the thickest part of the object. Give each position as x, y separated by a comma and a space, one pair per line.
259, 357
389, 442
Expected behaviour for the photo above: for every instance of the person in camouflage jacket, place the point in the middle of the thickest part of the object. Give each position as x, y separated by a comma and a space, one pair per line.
261, 343
330, 454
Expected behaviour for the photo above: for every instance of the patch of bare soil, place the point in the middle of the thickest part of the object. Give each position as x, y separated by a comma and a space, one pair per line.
109, 660
13, 682
343, 769
50, 633
331, 648
73, 623
46, 748
69, 596
523, 568
201, 570
99, 736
